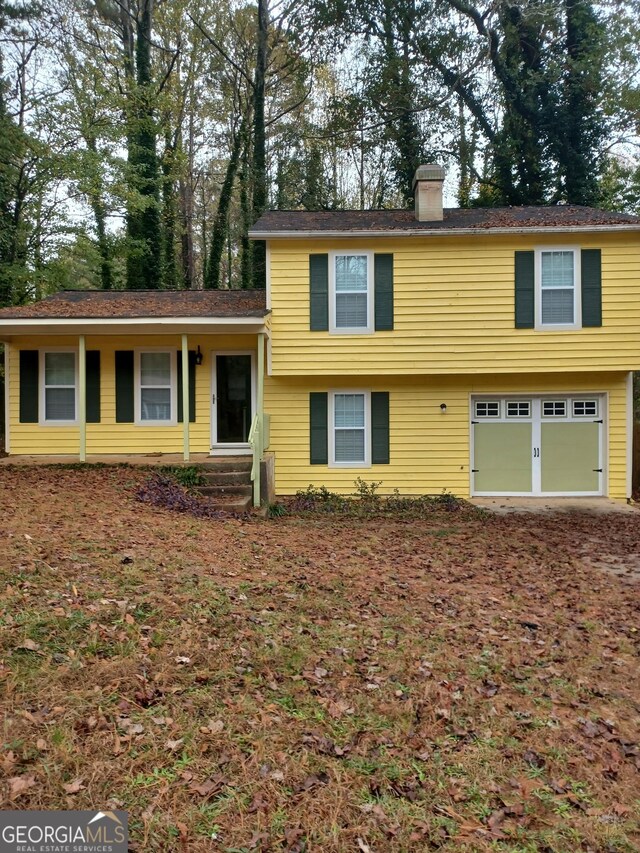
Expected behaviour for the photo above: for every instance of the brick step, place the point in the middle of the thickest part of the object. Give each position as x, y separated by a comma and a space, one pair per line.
232, 503
226, 478
221, 491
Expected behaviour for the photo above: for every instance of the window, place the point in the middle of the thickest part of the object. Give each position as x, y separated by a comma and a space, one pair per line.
554, 408
518, 409
349, 421
156, 392
585, 408
351, 305
558, 295
487, 409
59, 387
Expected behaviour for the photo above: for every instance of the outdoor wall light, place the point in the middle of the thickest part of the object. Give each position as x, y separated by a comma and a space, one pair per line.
443, 408
199, 356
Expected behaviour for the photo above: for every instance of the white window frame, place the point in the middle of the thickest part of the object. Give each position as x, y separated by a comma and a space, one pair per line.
42, 420
138, 387
577, 294
585, 400
367, 428
358, 330
555, 401
518, 416
495, 417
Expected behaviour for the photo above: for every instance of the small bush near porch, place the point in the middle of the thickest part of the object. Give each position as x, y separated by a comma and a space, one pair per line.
319, 682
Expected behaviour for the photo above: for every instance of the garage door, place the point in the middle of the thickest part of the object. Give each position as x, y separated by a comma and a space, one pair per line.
537, 445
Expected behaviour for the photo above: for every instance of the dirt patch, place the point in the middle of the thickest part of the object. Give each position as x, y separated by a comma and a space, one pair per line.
458, 681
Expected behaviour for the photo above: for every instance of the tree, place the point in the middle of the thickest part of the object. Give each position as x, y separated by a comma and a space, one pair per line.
144, 256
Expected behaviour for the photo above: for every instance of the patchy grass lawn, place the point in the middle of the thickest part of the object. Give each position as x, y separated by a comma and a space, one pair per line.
456, 682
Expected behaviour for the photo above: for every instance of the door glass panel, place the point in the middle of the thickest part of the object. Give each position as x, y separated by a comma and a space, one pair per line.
585, 408
234, 410
518, 409
554, 409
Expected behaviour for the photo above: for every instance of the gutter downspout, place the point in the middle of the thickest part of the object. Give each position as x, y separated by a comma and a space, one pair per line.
186, 414
82, 398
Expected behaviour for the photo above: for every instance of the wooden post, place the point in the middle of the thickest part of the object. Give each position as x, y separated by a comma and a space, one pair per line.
186, 414
82, 398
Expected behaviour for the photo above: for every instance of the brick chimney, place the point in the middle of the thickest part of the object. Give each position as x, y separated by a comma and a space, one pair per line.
427, 191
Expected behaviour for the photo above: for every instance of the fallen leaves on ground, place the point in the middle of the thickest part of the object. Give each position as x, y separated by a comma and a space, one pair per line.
454, 681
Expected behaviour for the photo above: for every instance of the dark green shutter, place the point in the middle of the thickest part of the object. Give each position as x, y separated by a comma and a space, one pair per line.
192, 386
93, 386
591, 269
525, 290
383, 278
319, 292
29, 390
319, 428
124, 387
380, 427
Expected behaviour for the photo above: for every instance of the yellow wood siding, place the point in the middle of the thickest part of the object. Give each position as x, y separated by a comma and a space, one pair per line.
109, 436
429, 450
454, 310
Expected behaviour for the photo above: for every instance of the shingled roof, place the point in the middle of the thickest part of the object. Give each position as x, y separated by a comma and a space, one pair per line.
276, 222
105, 304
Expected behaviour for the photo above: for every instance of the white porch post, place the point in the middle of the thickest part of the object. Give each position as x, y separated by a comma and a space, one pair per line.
260, 414
185, 399
82, 397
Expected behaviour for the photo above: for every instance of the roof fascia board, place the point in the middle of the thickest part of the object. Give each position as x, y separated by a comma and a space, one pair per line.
135, 321
443, 232
137, 326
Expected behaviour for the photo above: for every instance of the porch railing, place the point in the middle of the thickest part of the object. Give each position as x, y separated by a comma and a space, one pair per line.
255, 443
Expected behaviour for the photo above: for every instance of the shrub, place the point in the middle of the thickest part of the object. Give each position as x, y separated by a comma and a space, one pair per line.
366, 501
188, 476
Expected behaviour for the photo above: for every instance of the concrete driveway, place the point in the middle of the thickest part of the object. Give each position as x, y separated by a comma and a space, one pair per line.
601, 506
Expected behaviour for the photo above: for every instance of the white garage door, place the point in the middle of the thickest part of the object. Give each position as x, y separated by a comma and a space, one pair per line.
551, 445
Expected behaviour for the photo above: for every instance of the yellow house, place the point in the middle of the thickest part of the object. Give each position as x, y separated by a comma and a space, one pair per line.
482, 352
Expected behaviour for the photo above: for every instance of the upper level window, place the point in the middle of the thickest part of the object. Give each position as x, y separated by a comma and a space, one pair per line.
557, 289
351, 293
156, 391
59, 387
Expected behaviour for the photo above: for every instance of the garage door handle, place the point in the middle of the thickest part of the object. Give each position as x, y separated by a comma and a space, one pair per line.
597, 470
475, 470
599, 422
536, 452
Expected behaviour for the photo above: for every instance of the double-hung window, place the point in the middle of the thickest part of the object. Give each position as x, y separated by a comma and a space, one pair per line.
349, 417
156, 387
351, 289
557, 288
59, 387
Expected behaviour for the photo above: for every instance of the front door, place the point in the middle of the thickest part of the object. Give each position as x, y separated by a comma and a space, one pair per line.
232, 400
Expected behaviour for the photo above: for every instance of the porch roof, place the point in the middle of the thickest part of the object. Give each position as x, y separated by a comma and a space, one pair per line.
137, 312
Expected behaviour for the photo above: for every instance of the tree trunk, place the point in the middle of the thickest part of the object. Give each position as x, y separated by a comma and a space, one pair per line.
144, 250
259, 165
221, 223
169, 267
246, 254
